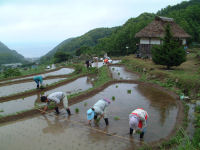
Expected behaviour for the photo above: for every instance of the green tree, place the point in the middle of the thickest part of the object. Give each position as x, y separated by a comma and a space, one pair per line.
60, 57
170, 53
11, 72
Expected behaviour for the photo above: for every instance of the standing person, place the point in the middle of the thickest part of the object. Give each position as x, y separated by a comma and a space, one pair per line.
138, 121
38, 80
106, 61
57, 98
87, 62
99, 109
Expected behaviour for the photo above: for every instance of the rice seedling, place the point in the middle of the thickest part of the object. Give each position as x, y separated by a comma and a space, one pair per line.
85, 104
113, 98
76, 110
116, 118
129, 91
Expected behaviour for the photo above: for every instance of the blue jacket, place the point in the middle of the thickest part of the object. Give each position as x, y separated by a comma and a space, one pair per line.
38, 78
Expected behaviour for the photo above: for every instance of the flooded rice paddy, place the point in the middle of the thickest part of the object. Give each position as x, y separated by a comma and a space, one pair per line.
120, 73
62, 71
100, 64
21, 87
27, 103
63, 132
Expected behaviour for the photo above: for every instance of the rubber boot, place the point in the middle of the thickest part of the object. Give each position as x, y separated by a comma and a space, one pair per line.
141, 135
38, 86
68, 111
95, 117
131, 131
57, 110
106, 121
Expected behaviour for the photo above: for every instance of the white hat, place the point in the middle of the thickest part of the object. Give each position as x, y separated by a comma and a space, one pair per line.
133, 122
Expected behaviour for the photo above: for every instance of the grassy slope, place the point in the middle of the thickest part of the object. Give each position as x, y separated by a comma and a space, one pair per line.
185, 77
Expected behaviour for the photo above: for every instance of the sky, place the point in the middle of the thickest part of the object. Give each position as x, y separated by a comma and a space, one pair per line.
33, 28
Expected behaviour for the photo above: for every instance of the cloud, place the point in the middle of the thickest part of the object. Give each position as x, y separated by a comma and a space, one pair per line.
35, 21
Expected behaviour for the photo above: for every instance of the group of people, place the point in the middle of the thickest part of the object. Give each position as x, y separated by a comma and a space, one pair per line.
137, 118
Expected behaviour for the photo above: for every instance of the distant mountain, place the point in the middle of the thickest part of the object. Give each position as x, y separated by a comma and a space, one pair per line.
8, 56
71, 45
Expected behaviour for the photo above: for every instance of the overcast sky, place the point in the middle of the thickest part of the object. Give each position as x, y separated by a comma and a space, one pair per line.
34, 27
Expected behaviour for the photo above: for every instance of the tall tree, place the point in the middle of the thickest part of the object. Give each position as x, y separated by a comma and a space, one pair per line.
170, 53
60, 57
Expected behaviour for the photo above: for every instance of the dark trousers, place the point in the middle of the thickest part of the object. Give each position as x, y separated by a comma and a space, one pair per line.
105, 119
141, 134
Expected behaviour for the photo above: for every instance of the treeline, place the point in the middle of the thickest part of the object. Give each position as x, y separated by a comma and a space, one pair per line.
121, 40
187, 15
69, 46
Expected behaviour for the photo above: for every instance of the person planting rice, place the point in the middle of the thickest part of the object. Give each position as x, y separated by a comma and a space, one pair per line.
99, 109
138, 121
38, 80
57, 98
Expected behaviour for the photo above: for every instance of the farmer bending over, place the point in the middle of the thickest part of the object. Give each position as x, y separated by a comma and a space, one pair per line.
98, 109
57, 98
138, 121
38, 80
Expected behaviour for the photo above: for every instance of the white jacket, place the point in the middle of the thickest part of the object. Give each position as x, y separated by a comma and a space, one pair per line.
141, 114
56, 97
100, 107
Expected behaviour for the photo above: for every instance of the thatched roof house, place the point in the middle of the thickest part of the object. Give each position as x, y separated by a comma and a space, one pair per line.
153, 33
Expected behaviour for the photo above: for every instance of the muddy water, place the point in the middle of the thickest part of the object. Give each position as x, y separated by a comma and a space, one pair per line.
58, 132
22, 104
21, 87
28, 103
119, 72
80, 84
191, 117
62, 71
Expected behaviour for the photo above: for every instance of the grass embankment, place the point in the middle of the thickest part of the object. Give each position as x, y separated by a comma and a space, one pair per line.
102, 76
184, 79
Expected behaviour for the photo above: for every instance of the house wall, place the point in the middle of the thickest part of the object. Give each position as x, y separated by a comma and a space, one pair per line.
183, 41
147, 43
150, 41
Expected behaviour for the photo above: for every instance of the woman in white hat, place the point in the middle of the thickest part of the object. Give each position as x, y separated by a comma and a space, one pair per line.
138, 121
99, 108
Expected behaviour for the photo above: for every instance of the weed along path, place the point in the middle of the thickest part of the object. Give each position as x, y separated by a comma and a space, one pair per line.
21, 87
27, 103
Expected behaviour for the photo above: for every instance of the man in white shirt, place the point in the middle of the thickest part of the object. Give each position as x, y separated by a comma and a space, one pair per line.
57, 98
99, 108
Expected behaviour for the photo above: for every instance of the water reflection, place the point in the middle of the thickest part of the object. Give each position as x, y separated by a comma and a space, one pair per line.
56, 126
159, 100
